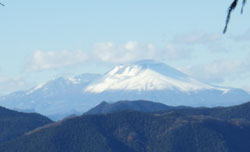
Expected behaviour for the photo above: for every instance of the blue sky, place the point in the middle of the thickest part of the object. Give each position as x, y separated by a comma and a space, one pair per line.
45, 39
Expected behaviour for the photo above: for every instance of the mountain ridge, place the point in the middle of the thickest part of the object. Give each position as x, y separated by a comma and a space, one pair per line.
139, 105
144, 80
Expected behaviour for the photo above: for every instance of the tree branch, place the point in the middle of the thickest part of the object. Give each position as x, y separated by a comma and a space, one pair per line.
243, 5
230, 9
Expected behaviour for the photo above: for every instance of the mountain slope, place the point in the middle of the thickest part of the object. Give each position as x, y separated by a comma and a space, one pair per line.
14, 124
136, 132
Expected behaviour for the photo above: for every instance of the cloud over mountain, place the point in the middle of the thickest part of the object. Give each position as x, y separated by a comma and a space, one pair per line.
46, 60
108, 52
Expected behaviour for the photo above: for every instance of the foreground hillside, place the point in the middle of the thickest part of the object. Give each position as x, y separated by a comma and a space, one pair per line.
14, 124
129, 131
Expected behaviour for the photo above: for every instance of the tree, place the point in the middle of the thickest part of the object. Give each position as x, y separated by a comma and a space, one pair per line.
230, 10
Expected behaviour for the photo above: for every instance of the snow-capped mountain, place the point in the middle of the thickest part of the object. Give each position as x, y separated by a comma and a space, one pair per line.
150, 80
147, 80
57, 98
147, 76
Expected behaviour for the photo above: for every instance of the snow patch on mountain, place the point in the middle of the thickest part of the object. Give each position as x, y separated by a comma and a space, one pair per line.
39, 86
147, 76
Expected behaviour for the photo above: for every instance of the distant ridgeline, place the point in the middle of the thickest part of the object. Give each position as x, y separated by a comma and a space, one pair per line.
132, 126
147, 80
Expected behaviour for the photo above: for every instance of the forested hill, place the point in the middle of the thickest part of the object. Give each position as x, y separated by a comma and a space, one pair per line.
139, 105
14, 124
129, 131
234, 112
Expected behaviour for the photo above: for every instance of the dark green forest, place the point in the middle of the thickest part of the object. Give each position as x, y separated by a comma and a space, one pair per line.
14, 124
173, 130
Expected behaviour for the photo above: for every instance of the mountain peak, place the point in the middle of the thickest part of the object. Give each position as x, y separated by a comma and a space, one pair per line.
146, 75
161, 68
139, 66
147, 62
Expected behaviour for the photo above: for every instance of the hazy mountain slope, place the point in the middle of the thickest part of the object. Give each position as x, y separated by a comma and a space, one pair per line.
56, 98
14, 124
136, 132
139, 105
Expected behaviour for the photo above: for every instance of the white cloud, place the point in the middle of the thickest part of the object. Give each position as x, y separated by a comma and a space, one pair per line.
132, 45
107, 52
179, 48
9, 84
245, 37
212, 42
198, 38
132, 51
218, 71
46, 60
176, 52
